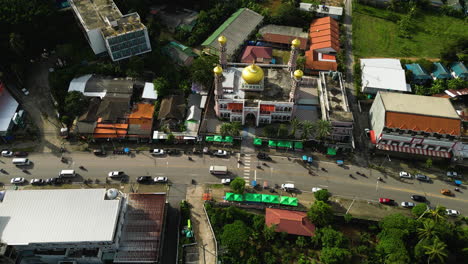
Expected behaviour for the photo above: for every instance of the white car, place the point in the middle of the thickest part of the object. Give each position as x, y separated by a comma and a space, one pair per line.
25, 91
37, 181
316, 189
452, 212
287, 186
157, 152
116, 174
160, 179
18, 180
407, 204
7, 153
220, 153
404, 174
452, 174
226, 181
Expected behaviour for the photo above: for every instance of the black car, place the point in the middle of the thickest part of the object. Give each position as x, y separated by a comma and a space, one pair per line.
99, 152
422, 177
55, 180
20, 154
263, 156
173, 152
418, 198
145, 179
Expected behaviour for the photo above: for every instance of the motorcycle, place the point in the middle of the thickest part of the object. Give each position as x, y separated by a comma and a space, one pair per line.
323, 169
351, 176
457, 189
82, 167
64, 160
190, 158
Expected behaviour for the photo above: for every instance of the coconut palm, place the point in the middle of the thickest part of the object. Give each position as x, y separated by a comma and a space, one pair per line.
307, 128
322, 129
436, 251
428, 231
438, 214
295, 124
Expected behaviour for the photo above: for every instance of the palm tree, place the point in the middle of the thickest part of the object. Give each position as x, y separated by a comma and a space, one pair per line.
438, 250
225, 129
295, 124
235, 128
307, 128
428, 230
437, 214
322, 129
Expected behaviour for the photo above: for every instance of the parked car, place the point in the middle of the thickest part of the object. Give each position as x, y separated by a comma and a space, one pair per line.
451, 212
25, 91
452, 174
160, 179
173, 152
226, 181
404, 174
386, 201
157, 152
116, 174
37, 182
55, 180
418, 198
287, 186
20, 154
316, 189
17, 180
422, 177
99, 152
407, 204
145, 179
447, 192
220, 153
7, 153
263, 156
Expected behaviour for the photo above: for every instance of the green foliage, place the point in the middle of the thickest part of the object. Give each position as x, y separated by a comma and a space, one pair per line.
322, 129
75, 104
457, 83
283, 131
162, 86
307, 128
348, 218
320, 213
238, 185
184, 210
201, 71
235, 235
333, 255
419, 209
421, 90
231, 129
270, 131
329, 237
135, 67
289, 15
428, 163
405, 26
437, 250
426, 64
438, 86
322, 195
295, 124
170, 138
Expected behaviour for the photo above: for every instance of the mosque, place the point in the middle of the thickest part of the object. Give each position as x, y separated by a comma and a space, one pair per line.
254, 95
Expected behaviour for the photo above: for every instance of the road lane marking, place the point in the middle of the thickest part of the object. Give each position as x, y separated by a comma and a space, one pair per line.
255, 174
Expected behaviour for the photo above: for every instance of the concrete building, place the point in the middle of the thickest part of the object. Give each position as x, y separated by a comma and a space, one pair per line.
383, 75
430, 127
8, 112
107, 30
335, 109
89, 226
281, 36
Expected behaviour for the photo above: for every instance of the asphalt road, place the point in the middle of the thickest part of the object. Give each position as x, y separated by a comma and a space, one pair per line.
180, 170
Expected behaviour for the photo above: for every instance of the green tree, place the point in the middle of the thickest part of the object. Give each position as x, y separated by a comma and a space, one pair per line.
348, 218
235, 129
437, 214
322, 195
405, 26
269, 232
75, 104
419, 209
421, 90
428, 163
428, 230
307, 128
170, 138
457, 83
320, 213
225, 129
437, 251
295, 124
235, 235
426, 64
300, 241
329, 237
322, 129
201, 70
135, 67
303, 259
438, 87
162, 86
334, 255
238, 185
270, 131
283, 131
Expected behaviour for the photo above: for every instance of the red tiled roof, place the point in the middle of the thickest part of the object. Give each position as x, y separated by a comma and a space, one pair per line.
251, 53
313, 63
283, 39
328, 57
291, 222
143, 111
429, 124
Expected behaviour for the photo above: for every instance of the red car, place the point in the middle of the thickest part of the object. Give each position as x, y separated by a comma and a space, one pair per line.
386, 201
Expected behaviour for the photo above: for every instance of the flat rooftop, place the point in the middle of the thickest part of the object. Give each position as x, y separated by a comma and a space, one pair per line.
277, 85
339, 109
57, 216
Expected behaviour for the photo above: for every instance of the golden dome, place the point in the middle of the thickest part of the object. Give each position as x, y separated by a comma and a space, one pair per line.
252, 74
296, 43
222, 40
218, 70
298, 74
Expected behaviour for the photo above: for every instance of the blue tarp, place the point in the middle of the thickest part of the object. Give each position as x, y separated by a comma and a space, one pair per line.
126, 150
254, 183
339, 162
304, 158
310, 159
457, 182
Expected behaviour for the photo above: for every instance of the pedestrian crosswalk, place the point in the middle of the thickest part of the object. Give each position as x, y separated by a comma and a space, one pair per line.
247, 167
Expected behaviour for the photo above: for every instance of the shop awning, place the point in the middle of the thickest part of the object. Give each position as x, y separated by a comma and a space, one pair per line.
285, 200
228, 139
257, 141
234, 106
252, 197
298, 145
285, 144
229, 197
266, 198
267, 108
218, 139
418, 151
272, 143
209, 138
238, 197
331, 151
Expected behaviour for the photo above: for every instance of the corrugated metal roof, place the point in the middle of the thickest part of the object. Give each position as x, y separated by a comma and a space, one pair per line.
8, 106
57, 216
384, 74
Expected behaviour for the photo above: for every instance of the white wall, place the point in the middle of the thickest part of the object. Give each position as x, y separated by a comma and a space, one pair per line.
96, 41
377, 115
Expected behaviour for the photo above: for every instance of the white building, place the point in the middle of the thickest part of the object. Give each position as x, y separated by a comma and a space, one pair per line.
8, 108
383, 75
81, 225
107, 30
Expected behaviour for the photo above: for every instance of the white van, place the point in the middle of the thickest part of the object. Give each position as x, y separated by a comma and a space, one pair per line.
67, 174
218, 170
21, 161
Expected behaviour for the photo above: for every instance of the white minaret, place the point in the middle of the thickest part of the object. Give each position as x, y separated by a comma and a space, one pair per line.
293, 57
222, 54
218, 90
295, 84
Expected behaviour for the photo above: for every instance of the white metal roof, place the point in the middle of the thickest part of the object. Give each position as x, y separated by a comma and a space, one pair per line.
79, 83
57, 216
332, 10
149, 92
384, 74
8, 106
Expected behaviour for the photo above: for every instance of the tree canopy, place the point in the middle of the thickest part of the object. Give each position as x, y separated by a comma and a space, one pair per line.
238, 185
320, 213
235, 235
201, 71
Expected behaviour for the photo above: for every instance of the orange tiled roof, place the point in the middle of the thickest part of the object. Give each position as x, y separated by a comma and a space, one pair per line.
313, 63
112, 126
429, 124
143, 111
291, 222
324, 33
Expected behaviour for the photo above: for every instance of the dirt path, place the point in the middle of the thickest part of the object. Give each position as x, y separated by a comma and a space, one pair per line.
203, 234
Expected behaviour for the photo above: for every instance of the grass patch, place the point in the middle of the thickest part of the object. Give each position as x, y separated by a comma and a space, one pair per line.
282, 55
375, 33
215, 186
272, 5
